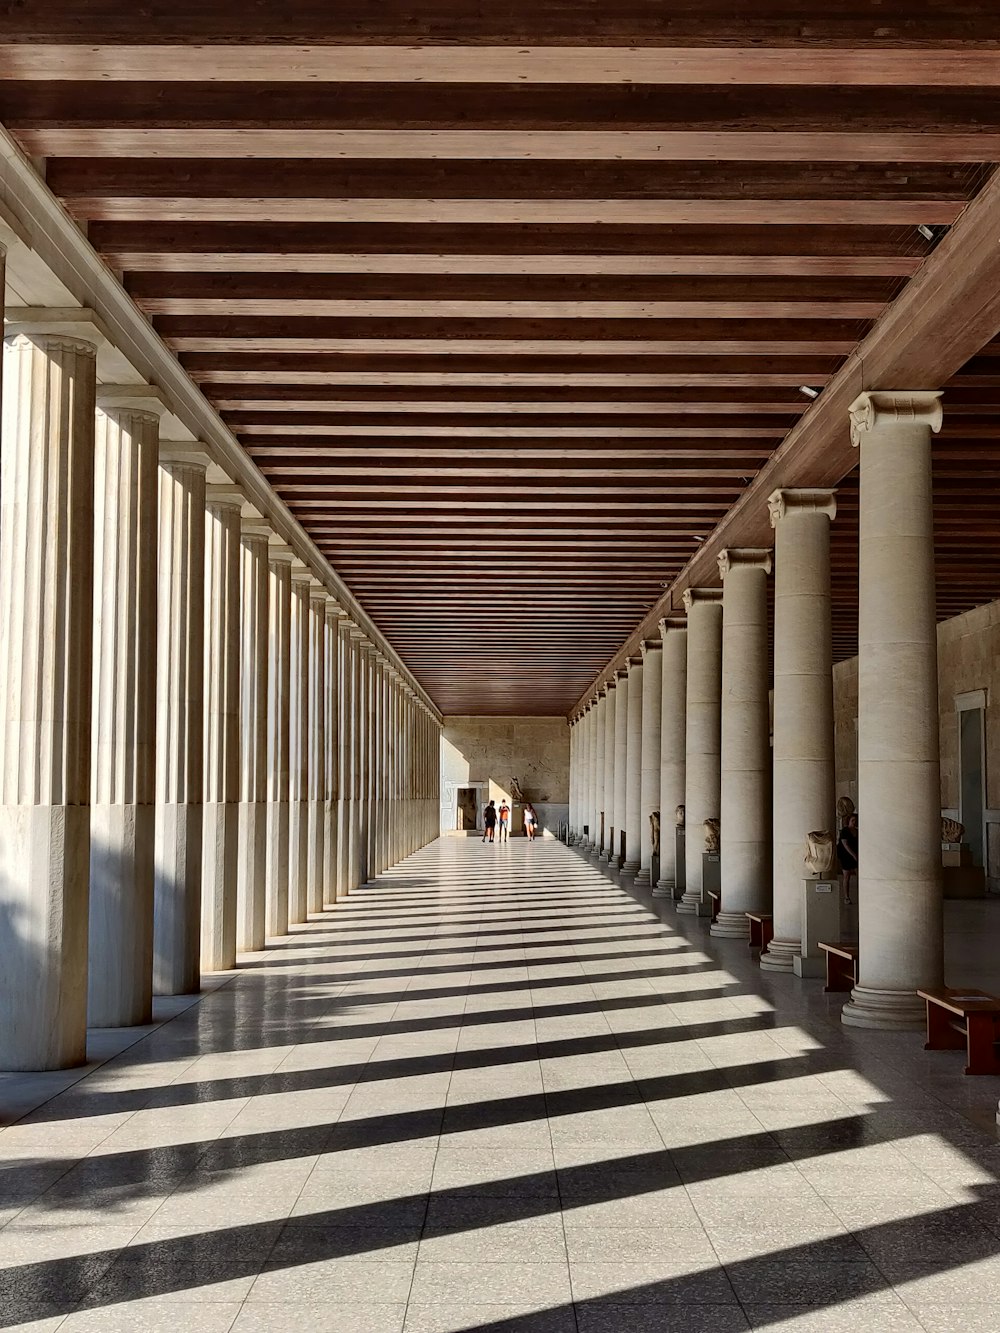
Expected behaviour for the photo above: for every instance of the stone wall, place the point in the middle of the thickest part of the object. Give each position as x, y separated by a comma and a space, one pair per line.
492, 750
968, 661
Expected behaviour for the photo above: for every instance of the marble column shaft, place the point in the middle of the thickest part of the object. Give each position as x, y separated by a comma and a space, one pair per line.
702, 776
345, 758
621, 761
649, 780
803, 753
745, 758
600, 741
180, 720
298, 748
633, 769
331, 752
609, 769
673, 728
220, 854
123, 776
279, 684
900, 921
46, 613
251, 872
316, 786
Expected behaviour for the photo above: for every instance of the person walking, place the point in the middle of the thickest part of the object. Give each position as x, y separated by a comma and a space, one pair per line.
530, 822
847, 855
489, 821
504, 825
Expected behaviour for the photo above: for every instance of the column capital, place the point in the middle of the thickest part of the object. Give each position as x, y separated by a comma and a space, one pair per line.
744, 557
668, 623
224, 498
698, 596
301, 573
255, 529
146, 399
611, 684
318, 592
650, 646
334, 611
279, 553
634, 660
184, 453
890, 407
77, 326
803, 500
621, 673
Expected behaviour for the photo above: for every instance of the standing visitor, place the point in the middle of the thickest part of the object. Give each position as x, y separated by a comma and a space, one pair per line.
530, 820
489, 821
504, 821
847, 855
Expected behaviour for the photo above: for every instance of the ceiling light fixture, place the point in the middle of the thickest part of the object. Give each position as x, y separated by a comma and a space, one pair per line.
809, 391
932, 232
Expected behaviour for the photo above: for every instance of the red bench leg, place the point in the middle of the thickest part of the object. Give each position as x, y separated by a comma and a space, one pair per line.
941, 1036
980, 1049
839, 973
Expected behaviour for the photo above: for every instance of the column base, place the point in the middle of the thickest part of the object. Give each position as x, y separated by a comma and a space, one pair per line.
643, 876
630, 869
730, 926
691, 904
779, 955
663, 888
886, 1010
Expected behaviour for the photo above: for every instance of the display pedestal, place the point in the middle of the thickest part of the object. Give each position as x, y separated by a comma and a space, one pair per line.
820, 922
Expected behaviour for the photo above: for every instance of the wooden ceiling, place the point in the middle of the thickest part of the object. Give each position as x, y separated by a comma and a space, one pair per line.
512, 303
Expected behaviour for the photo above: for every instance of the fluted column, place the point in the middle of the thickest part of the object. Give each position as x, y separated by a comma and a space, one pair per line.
123, 778
745, 760
180, 720
673, 728
279, 684
332, 615
358, 707
46, 612
900, 927
298, 748
316, 782
345, 758
649, 779
803, 754
609, 769
703, 733
600, 754
251, 869
621, 761
220, 855
633, 768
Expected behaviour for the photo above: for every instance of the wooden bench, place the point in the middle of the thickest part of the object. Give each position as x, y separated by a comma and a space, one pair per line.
716, 901
967, 1017
841, 966
761, 930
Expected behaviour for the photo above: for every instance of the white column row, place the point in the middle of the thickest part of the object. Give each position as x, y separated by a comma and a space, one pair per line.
692, 726
198, 748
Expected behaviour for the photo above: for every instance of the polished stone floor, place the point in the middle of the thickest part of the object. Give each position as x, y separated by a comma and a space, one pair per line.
496, 1092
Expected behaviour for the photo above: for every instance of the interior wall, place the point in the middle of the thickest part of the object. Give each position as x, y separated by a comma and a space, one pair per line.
968, 663
494, 750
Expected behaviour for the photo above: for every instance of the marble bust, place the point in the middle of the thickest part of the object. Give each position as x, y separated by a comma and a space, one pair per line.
952, 830
819, 858
679, 816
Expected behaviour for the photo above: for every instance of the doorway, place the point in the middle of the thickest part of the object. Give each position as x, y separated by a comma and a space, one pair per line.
971, 775
466, 809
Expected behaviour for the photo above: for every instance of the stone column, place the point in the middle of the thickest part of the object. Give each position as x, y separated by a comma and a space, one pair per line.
900, 928
220, 857
251, 870
123, 778
344, 757
316, 888
600, 754
359, 706
649, 780
331, 752
803, 755
673, 727
745, 801
582, 724
180, 720
609, 769
573, 764
298, 747
703, 732
279, 684
633, 769
46, 615
621, 761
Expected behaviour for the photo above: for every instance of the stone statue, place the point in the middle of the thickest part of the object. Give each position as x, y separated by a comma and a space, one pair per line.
711, 835
679, 816
654, 831
952, 830
845, 808
819, 858
516, 794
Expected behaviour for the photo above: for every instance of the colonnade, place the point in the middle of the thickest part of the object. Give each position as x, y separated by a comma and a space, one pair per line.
200, 747
706, 718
